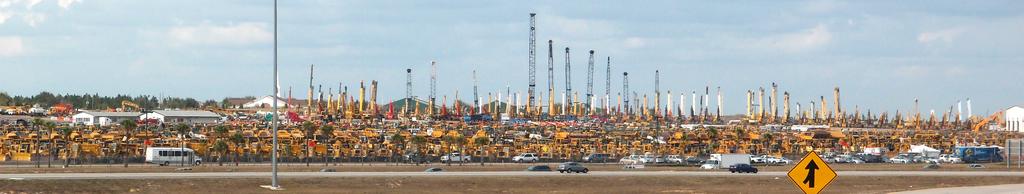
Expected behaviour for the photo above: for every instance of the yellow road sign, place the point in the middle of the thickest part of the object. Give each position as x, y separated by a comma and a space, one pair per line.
811, 174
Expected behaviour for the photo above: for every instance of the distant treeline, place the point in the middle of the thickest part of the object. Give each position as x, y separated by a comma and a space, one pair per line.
95, 101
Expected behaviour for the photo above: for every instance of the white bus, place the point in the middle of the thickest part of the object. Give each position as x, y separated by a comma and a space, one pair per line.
170, 155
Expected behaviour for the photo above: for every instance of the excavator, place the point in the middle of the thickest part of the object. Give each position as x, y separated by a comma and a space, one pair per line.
126, 104
995, 116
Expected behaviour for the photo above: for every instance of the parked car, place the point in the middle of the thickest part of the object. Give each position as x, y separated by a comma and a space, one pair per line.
899, 160
742, 168
415, 158
675, 159
975, 166
526, 157
631, 159
539, 168
597, 157
572, 167
948, 158
455, 157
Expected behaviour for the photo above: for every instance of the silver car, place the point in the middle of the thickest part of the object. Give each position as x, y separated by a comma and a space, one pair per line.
571, 167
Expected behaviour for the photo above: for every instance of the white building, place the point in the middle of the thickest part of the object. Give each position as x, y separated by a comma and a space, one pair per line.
1014, 119
103, 118
265, 102
183, 116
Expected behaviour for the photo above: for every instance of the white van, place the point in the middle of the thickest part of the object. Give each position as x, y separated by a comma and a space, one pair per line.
170, 155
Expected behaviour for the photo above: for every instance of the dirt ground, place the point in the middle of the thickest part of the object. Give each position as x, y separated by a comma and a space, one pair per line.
567, 184
391, 167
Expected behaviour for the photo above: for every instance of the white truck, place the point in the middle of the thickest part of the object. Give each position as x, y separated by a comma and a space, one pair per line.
725, 160
455, 157
526, 157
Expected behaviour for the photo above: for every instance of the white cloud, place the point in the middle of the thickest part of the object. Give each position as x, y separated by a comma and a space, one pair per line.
635, 42
805, 40
209, 34
32, 3
33, 19
822, 6
67, 3
4, 16
11, 46
946, 35
576, 28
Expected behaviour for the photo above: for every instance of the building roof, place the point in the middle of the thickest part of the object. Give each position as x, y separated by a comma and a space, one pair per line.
186, 113
112, 114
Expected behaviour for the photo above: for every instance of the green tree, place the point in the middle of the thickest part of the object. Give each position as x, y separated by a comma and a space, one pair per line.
239, 140
129, 126
399, 141
309, 129
183, 131
66, 133
420, 142
222, 148
327, 134
481, 143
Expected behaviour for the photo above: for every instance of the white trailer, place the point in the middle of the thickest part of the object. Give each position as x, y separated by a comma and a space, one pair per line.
725, 160
171, 155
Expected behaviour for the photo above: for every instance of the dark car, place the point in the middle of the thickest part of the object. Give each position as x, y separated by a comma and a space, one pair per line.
572, 167
742, 168
594, 158
539, 168
433, 170
414, 158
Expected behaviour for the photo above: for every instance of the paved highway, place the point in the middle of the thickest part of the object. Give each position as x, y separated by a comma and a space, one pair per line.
991, 189
178, 175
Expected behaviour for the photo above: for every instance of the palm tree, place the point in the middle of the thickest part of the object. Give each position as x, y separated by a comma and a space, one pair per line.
398, 139
66, 133
420, 142
221, 147
238, 140
461, 140
308, 128
327, 134
128, 126
182, 130
481, 142
36, 122
50, 126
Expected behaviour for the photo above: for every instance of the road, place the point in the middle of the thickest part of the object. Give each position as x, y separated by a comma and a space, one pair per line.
991, 189
179, 175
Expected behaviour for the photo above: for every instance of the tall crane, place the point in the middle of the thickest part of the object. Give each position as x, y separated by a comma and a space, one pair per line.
657, 91
625, 90
590, 78
476, 98
568, 78
309, 100
608, 85
551, 78
433, 87
408, 89
533, 61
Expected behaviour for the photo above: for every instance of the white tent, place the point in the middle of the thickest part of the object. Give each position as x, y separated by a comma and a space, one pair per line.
924, 150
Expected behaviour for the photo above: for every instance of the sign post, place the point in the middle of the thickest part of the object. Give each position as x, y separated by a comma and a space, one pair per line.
811, 174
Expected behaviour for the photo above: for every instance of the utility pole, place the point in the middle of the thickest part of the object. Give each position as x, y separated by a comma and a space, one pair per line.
273, 179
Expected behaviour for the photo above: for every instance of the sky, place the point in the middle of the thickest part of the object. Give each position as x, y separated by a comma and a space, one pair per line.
882, 54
